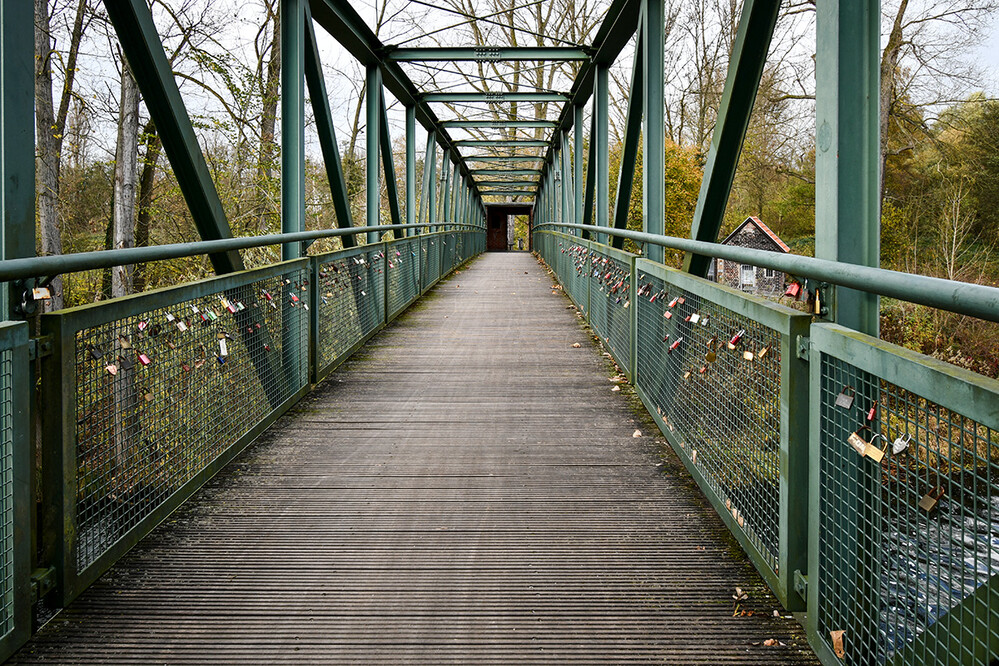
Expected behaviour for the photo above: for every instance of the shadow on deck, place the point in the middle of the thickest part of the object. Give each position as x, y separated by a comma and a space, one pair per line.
466, 490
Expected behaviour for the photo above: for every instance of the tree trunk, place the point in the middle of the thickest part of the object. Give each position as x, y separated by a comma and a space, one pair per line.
147, 180
268, 119
50, 127
889, 72
125, 174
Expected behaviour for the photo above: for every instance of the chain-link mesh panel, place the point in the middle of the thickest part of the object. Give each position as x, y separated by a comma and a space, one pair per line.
908, 525
404, 274
161, 394
431, 249
714, 378
6, 492
610, 317
350, 301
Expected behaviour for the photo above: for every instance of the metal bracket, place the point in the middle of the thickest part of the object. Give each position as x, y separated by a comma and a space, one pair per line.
43, 581
801, 584
803, 347
39, 347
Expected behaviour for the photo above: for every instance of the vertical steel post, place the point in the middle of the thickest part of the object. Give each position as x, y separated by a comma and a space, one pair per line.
446, 172
410, 168
431, 181
372, 135
653, 138
602, 171
17, 160
847, 191
292, 123
577, 164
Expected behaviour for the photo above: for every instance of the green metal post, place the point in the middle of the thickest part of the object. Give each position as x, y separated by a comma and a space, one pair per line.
591, 174
654, 136
410, 168
325, 130
847, 229
632, 133
388, 162
446, 171
567, 205
756, 28
600, 113
292, 123
372, 132
431, 181
17, 159
847, 192
577, 165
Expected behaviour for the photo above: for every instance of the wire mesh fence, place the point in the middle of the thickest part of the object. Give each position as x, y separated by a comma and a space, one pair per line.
163, 387
404, 274
907, 567
350, 302
609, 275
6, 492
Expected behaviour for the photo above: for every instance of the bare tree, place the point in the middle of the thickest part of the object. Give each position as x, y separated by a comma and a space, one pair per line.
125, 174
50, 125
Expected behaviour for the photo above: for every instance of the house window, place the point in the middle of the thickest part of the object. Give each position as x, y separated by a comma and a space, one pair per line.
747, 276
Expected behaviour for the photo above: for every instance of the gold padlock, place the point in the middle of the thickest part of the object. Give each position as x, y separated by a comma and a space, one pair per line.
930, 499
873, 452
858, 443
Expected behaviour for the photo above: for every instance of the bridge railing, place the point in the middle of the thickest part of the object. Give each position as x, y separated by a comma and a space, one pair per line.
15, 496
144, 398
862, 479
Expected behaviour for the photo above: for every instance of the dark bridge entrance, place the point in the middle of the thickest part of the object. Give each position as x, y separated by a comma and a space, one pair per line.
499, 235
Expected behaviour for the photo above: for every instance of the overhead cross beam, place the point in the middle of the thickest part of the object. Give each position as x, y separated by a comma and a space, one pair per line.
497, 97
485, 54
498, 124
501, 143
343, 22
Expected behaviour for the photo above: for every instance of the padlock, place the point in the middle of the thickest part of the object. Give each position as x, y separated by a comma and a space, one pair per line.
710, 357
748, 355
675, 344
95, 352
123, 342
872, 412
873, 452
674, 301
761, 353
223, 348
694, 318
668, 314
845, 400
858, 443
901, 443
112, 369
41, 294
930, 499
737, 337
681, 300
793, 290
666, 338
686, 375
144, 359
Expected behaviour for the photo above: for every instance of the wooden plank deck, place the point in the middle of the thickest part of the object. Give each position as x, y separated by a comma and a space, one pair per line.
466, 490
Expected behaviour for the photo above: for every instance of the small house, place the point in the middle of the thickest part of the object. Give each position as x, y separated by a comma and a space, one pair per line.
764, 281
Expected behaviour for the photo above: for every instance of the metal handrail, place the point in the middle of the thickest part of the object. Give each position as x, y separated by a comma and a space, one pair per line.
17, 269
976, 300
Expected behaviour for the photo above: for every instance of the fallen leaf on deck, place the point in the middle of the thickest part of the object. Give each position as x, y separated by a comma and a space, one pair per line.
637, 433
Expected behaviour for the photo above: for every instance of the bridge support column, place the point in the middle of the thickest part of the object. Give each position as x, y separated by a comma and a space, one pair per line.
373, 90
653, 139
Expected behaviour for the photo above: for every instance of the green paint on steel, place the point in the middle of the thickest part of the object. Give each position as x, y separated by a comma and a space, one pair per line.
632, 134
293, 44
847, 193
388, 163
599, 139
486, 54
506, 172
410, 167
17, 161
503, 159
501, 143
498, 124
326, 131
654, 137
492, 97
748, 58
372, 131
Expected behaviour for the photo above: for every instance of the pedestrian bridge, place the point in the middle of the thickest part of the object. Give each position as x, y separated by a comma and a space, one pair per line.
411, 450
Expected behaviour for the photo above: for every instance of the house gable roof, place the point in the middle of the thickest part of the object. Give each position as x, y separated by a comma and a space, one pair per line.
780, 245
